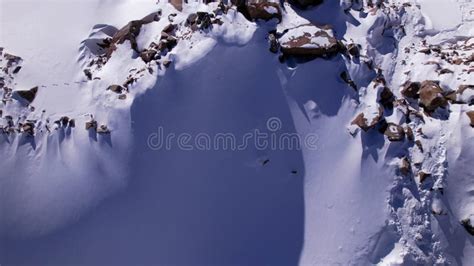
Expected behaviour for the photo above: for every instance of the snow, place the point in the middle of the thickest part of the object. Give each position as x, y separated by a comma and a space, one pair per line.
70, 197
441, 15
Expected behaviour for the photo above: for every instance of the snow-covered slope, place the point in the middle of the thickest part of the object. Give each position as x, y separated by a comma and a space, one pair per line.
383, 87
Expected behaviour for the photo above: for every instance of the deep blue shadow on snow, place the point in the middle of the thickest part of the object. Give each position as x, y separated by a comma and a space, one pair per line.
218, 207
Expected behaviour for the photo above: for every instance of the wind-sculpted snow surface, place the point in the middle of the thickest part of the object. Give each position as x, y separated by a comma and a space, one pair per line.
384, 88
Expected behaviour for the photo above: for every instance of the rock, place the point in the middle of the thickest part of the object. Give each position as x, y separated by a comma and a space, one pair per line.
431, 96
393, 132
386, 98
265, 10
122, 97
28, 95
72, 123
422, 176
103, 130
362, 122
274, 45
470, 114
130, 32
148, 55
178, 4
91, 125
64, 121
166, 63
353, 49
409, 133
411, 89
468, 226
309, 41
169, 29
306, 3
88, 74
464, 95
419, 145
405, 167
28, 128
116, 88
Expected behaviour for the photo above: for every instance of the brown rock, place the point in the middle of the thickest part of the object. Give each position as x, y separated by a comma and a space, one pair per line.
365, 125
353, 49
28, 95
264, 10
431, 96
386, 98
103, 130
470, 114
116, 88
309, 41
394, 132
178, 4
411, 89
422, 176
28, 128
405, 167
91, 125
148, 55
130, 32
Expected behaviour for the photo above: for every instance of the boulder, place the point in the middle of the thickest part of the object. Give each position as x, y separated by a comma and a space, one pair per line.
464, 95
309, 40
386, 97
431, 96
263, 9
363, 122
103, 130
91, 125
468, 226
178, 4
411, 89
148, 55
28, 95
470, 114
130, 32
405, 167
422, 176
28, 128
394, 132
116, 88
353, 49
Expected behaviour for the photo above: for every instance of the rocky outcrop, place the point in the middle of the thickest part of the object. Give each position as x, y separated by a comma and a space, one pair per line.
431, 96
130, 33
310, 41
